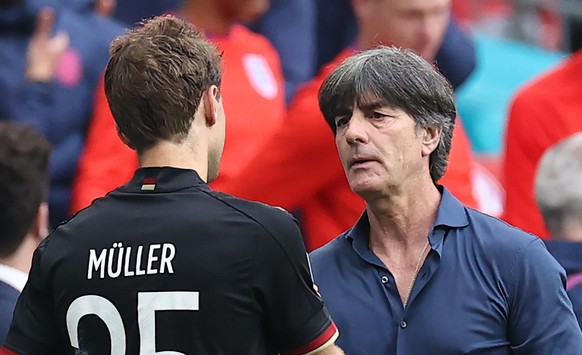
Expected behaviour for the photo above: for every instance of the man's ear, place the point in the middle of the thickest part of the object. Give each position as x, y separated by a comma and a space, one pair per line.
123, 138
39, 227
211, 104
431, 137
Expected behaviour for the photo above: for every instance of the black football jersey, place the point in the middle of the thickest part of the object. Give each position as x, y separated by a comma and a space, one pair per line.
166, 265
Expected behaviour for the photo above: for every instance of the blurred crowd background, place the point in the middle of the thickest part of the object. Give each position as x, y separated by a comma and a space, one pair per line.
513, 64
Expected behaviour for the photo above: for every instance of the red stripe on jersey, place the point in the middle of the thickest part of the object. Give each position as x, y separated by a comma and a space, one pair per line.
147, 181
4, 351
328, 334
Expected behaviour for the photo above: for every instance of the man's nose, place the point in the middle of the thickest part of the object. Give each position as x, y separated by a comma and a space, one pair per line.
356, 130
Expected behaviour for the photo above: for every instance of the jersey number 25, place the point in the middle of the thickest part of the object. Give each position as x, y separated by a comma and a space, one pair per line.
147, 305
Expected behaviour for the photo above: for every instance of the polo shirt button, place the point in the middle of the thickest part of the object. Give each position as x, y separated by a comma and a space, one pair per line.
403, 324
384, 279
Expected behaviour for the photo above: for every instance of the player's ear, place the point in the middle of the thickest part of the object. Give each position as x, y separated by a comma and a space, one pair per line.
431, 137
212, 103
39, 228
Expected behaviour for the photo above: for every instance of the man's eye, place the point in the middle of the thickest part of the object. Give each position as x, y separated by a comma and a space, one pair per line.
341, 121
377, 115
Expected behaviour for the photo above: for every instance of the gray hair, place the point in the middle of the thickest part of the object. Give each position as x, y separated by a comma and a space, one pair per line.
398, 78
558, 184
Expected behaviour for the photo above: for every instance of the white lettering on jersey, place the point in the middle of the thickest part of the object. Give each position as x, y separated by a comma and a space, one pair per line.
117, 261
96, 263
148, 303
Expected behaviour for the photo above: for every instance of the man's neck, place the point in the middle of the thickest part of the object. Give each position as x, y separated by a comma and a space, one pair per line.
176, 156
402, 221
21, 259
206, 15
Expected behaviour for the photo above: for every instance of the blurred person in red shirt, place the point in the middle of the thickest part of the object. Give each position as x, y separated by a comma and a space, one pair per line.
252, 88
298, 167
542, 113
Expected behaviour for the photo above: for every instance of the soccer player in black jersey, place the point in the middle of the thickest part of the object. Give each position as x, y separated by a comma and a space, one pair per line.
163, 264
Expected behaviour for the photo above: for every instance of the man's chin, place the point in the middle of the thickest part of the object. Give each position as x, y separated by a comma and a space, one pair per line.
364, 188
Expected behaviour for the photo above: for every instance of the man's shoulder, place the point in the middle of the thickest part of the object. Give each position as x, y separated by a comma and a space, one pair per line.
8, 295
272, 218
331, 253
497, 236
268, 217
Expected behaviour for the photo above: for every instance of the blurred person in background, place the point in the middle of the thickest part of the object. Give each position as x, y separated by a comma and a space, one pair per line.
298, 168
131, 12
24, 156
252, 88
288, 24
543, 112
50, 64
558, 192
337, 28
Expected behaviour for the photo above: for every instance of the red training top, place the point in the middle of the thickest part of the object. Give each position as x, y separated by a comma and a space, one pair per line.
544, 112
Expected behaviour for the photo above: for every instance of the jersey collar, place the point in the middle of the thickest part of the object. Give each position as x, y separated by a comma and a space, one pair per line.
164, 179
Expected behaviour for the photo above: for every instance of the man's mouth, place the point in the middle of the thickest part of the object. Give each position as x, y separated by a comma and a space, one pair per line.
361, 162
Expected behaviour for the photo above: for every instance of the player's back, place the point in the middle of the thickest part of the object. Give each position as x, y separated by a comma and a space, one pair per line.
162, 264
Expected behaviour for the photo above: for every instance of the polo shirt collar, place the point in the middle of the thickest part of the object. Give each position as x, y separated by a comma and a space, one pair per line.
164, 179
450, 214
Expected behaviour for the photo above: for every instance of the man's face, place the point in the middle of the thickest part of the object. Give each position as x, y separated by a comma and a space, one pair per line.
246, 11
380, 150
418, 25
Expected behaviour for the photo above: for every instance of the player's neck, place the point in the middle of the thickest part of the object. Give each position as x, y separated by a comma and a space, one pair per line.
206, 15
174, 155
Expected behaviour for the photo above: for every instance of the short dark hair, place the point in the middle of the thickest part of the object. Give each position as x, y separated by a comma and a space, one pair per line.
397, 78
156, 77
24, 158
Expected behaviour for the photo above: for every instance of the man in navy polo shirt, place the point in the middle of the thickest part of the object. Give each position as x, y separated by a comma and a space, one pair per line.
558, 193
419, 273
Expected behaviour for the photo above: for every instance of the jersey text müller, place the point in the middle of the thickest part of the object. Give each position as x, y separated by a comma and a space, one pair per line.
121, 261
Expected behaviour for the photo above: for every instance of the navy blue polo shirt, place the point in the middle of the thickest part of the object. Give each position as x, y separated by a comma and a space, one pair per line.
485, 288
